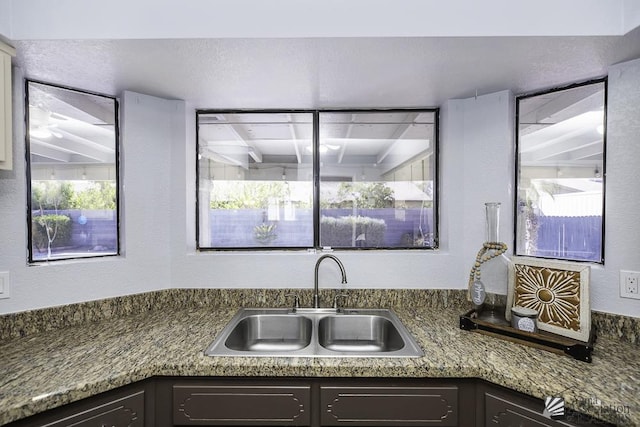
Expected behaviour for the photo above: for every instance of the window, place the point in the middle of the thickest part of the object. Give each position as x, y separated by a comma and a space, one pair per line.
312, 179
72, 173
255, 180
561, 173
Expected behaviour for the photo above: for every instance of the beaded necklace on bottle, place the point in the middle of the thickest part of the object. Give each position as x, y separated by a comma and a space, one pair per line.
489, 251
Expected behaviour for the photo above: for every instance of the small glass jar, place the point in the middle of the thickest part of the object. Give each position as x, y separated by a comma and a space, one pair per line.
524, 319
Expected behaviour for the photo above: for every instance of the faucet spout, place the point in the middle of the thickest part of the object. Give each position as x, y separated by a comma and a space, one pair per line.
316, 293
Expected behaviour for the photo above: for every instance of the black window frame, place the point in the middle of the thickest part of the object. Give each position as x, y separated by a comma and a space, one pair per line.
30, 259
518, 98
316, 177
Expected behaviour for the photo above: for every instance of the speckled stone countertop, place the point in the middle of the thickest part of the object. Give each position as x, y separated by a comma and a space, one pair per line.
47, 369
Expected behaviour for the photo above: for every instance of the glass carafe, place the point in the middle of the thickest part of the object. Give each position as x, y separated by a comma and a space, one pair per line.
490, 275
495, 271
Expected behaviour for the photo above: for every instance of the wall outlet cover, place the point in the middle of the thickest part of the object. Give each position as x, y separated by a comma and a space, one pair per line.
630, 284
4, 285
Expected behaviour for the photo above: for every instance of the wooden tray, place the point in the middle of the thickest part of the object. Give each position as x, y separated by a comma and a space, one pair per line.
544, 340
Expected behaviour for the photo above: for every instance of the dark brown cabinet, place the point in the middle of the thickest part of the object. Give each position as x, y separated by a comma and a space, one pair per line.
120, 408
503, 407
306, 402
388, 405
247, 405
315, 402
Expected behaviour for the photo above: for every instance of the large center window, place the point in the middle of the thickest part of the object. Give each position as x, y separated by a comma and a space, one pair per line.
317, 179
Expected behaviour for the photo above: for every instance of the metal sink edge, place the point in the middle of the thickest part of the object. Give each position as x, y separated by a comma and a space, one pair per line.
314, 349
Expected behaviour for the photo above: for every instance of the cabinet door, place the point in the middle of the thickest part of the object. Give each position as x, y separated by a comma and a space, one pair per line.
389, 406
502, 412
247, 405
127, 411
6, 134
509, 408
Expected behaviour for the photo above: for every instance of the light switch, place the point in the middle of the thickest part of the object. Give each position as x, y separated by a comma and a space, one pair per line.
4, 284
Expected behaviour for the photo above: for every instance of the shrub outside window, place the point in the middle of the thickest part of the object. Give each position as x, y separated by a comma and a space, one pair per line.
561, 173
72, 173
314, 179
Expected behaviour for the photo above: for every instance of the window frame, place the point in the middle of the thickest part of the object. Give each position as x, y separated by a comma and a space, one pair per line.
316, 214
27, 136
518, 98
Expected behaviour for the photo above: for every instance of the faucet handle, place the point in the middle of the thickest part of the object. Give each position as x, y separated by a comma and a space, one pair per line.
336, 298
296, 301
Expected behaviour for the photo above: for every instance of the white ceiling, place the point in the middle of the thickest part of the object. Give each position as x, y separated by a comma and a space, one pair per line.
207, 19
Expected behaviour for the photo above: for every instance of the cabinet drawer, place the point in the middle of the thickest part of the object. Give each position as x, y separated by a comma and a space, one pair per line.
389, 406
127, 411
242, 405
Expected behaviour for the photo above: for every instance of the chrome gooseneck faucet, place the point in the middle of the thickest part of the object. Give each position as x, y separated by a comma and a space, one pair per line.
316, 295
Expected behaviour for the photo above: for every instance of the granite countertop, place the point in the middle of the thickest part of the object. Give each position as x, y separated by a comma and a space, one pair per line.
48, 369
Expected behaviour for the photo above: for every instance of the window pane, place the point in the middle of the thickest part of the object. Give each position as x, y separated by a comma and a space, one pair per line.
255, 180
561, 173
377, 179
72, 151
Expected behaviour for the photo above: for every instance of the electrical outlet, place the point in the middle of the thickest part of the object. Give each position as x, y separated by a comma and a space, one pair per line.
629, 284
4, 284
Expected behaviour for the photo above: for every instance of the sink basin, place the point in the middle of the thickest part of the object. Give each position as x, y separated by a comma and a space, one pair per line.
359, 332
311, 332
270, 332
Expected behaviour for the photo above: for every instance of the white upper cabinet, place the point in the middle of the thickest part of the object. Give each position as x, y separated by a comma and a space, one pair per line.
6, 153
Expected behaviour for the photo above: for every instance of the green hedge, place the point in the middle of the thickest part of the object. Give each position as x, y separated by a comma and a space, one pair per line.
338, 232
39, 232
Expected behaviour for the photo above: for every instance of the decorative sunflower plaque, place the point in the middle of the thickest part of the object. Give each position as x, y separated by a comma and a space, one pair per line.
558, 290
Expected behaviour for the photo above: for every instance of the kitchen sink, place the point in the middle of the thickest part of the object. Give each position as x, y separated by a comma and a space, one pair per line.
271, 333
359, 333
309, 332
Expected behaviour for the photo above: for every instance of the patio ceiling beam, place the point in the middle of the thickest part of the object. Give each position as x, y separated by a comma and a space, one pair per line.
294, 138
45, 150
255, 154
561, 148
66, 145
570, 104
343, 149
400, 132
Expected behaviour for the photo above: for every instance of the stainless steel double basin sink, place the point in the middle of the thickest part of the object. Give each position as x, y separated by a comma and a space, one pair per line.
315, 333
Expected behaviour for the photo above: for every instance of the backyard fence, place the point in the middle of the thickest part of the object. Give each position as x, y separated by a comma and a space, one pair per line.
402, 227
90, 230
577, 238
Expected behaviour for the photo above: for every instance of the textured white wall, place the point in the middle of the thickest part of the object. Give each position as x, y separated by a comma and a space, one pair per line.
487, 168
476, 160
147, 132
631, 15
476, 157
622, 203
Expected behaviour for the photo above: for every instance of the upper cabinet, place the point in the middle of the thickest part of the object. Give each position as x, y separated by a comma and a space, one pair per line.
6, 153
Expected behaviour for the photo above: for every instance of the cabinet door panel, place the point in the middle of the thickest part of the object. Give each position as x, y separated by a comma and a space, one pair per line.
242, 405
502, 412
389, 406
127, 411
